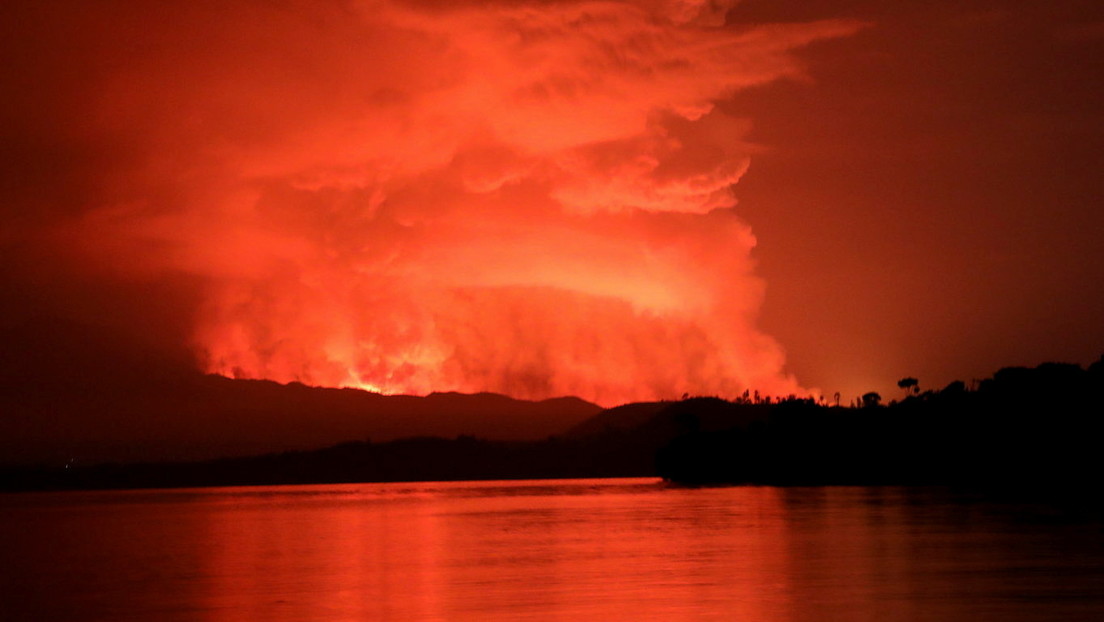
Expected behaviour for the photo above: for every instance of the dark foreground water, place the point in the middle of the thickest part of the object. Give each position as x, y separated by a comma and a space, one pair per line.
549, 550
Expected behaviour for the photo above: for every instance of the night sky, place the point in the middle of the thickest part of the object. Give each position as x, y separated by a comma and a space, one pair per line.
619, 201
930, 204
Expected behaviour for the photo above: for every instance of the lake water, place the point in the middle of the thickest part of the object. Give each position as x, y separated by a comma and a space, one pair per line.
573, 550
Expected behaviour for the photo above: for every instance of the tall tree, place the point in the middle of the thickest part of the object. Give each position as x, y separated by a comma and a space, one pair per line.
909, 384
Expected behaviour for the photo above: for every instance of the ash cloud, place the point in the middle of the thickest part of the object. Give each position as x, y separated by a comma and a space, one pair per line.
528, 198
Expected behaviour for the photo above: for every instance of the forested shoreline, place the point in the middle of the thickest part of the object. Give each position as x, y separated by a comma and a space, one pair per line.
1037, 427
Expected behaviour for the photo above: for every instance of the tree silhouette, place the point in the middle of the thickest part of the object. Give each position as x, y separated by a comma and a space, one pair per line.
909, 384
872, 399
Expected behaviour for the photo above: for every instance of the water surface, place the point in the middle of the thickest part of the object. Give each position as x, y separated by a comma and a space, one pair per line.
543, 550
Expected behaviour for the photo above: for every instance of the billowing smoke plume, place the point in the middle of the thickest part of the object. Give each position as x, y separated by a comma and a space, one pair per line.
532, 198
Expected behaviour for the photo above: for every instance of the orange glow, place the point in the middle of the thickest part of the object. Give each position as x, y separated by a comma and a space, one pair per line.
464, 551
532, 200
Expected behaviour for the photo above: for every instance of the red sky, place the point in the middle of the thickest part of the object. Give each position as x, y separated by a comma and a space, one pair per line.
930, 204
619, 201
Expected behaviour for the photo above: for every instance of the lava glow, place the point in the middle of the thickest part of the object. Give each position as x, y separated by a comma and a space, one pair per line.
532, 198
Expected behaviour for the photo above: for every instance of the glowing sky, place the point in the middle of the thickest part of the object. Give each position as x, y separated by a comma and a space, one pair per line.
615, 200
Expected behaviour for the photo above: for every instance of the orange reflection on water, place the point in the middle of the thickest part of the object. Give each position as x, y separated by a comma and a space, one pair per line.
464, 551
575, 550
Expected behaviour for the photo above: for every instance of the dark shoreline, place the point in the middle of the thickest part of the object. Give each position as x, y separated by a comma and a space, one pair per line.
1036, 429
